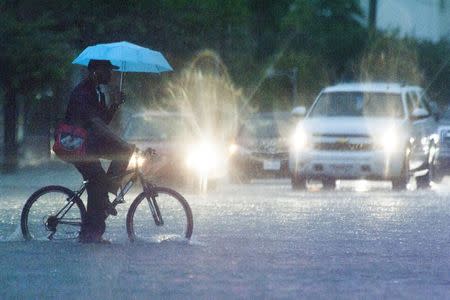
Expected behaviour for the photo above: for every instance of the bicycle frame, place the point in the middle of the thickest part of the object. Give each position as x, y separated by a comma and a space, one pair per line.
71, 211
147, 186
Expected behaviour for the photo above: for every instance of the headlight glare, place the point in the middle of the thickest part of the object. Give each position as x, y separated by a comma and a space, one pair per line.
202, 157
389, 142
136, 160
233, 149
298, 140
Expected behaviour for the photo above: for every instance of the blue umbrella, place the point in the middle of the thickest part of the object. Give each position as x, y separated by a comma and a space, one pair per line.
127, 56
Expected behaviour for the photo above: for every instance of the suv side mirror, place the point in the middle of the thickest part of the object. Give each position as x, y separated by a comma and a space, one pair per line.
435, 110
419, 113
299, 112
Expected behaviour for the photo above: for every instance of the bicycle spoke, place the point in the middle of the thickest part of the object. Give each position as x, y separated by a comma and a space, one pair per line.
71, 223
156, 218
52, 213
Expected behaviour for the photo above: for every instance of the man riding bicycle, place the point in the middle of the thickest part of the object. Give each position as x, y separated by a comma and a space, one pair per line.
87, 108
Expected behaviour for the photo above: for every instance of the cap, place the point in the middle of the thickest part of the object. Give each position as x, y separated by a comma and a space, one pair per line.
94, 63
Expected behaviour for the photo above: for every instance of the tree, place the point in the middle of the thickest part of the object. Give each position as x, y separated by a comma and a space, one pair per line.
34, 60
434, 61
331, 28
388, 58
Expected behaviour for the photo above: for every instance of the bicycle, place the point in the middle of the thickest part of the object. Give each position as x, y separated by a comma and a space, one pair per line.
56, 212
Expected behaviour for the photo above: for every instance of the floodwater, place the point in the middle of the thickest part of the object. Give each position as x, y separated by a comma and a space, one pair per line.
259, 240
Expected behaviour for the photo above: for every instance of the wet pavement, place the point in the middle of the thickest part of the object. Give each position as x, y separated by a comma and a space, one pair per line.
259, 240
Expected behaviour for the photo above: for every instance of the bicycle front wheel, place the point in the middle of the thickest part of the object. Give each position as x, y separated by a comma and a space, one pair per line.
159, 215
52, 213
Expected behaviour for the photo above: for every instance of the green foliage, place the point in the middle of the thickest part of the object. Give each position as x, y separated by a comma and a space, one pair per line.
388, 58
35, 56
318, 37
323, 39
434, 61
391, 58
330, 28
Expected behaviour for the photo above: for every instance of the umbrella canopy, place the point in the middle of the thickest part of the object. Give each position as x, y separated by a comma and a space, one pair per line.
127, 56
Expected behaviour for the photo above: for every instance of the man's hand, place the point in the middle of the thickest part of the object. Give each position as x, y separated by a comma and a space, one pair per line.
118, 98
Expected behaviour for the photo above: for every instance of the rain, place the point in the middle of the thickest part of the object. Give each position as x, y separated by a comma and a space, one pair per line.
265, 167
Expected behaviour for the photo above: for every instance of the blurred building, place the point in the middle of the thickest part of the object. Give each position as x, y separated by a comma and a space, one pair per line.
422, 19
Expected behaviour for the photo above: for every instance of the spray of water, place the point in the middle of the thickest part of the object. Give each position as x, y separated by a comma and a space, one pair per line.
205, 90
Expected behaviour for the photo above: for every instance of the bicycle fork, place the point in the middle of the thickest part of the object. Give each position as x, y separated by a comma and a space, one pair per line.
151, 196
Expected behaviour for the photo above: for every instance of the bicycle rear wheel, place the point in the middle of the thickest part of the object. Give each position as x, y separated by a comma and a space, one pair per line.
52, 213
160, 215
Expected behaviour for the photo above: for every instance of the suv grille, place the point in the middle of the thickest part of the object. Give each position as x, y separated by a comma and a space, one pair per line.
265, 155
337, 146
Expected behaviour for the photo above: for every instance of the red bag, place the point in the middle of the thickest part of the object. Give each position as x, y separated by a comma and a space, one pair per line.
70, 142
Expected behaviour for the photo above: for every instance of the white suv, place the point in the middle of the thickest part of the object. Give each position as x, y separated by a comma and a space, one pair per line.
379, 131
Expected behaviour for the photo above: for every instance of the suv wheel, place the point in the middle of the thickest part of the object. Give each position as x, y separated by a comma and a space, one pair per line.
436, 174
298, 182
423, 182
399, 183
329, 183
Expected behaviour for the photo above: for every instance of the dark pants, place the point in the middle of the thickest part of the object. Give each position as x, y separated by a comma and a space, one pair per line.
99, 183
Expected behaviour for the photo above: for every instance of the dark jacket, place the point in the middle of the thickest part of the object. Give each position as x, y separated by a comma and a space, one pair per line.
86, 110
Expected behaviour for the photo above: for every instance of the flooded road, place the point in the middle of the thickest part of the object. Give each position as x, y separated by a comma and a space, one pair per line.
258, 240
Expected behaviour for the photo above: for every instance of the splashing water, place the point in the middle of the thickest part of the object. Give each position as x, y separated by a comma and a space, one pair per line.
205, 90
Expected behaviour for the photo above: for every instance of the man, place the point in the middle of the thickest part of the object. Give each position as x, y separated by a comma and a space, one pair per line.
87, 109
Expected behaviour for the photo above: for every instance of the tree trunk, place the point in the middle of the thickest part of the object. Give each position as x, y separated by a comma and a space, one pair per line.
10, 143
373, 15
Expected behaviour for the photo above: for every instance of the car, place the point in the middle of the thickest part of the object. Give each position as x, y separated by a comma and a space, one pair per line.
365, 130
186, 158
441, 163
260, 148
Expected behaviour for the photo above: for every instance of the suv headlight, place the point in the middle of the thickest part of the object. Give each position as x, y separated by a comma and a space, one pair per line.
390, 142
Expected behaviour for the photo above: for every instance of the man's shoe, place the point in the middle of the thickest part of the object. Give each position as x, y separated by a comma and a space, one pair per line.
110, 209
92, 239
113, 186
103, 241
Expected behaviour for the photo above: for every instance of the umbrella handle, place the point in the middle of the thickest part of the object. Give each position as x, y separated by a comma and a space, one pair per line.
121, 81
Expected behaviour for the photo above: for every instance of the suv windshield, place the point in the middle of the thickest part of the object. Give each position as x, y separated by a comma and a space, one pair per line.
358, 104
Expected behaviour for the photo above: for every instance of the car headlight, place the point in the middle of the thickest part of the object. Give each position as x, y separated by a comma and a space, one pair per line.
299, 139
233, 149
202, 157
